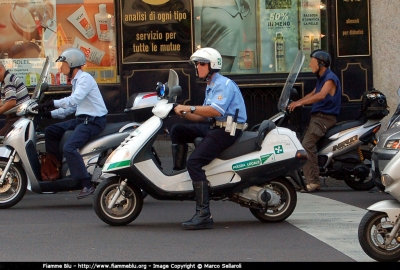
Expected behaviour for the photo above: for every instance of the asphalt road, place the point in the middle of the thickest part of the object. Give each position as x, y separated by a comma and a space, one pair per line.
60, 228
50, 228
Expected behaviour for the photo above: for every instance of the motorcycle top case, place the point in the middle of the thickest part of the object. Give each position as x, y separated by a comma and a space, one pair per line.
374, 104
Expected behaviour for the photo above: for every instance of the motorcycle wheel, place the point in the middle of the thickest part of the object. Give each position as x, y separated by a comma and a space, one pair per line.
372, 232
40, 144
358, 183
15, 184
126, 209
282, 211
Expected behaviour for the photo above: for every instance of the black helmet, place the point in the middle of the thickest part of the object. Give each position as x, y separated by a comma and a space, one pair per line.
324, 58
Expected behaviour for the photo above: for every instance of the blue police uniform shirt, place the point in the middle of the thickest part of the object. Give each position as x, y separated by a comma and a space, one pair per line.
224, 95
85, 98
330, 104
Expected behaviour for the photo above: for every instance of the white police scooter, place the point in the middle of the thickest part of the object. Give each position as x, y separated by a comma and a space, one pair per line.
251, 172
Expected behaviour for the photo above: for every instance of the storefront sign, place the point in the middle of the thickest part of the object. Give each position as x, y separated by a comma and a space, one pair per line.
156, 32
279, 38
353, 28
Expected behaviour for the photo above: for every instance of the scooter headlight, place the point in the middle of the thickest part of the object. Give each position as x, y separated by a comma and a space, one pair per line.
394, 124
386, 180
21, 109
392, 144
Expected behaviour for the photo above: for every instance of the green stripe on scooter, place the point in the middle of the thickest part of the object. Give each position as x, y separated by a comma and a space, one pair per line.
119, 164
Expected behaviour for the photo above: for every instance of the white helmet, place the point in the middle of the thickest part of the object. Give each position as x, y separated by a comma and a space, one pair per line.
73, 56
208, 55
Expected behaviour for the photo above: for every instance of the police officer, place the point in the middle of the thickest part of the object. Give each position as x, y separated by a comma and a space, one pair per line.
222, 99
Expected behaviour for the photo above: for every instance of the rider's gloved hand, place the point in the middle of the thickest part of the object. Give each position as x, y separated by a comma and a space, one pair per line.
47, 114
45, 106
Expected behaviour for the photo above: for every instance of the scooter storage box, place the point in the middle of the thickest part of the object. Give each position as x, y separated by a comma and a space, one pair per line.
374, 104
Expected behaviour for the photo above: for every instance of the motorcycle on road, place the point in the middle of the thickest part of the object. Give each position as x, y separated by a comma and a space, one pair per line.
20, 167
344, 152
250, 173
379, 229
387, 147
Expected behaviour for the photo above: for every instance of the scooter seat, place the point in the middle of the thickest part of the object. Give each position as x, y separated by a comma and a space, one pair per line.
109, 129
338, 127
248, 141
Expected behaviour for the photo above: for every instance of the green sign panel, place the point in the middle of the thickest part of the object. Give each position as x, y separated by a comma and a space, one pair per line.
246, 164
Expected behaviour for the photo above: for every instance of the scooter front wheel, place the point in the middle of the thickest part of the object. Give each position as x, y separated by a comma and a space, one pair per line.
373, 230
285, 189
14, 186
126, 208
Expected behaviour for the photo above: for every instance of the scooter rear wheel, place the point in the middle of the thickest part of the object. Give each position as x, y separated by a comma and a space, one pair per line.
127, 207
284, 188
372, 233
360, 184
15, 184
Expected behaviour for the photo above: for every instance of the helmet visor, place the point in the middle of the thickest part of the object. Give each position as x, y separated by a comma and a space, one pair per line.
198, 60
61, 58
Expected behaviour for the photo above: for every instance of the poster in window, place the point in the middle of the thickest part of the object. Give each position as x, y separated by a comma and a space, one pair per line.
353, 27
229, 27
89, 26
310, 29
24, 34
279, 35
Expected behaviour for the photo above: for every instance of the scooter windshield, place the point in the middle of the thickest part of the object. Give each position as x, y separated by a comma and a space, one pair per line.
43, 77
173, 79
291, 79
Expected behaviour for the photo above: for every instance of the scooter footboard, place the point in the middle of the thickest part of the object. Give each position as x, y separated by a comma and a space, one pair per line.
390, 207
108, 176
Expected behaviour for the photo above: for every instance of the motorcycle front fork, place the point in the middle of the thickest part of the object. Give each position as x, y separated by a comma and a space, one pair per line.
120, 189
393, 233
5, 171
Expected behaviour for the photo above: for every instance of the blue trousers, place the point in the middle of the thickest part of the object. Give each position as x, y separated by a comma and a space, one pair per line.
82, 133
214, 142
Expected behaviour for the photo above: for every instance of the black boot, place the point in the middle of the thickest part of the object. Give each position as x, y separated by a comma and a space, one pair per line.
179, 156
203, 218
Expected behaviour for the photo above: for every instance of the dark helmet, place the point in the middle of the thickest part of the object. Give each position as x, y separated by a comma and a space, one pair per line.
324, 58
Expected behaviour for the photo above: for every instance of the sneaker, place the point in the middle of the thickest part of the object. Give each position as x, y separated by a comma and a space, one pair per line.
85, 192
311, 187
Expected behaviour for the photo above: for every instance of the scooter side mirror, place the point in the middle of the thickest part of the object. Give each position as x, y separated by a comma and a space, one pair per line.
174, 93
294, 95
44, 87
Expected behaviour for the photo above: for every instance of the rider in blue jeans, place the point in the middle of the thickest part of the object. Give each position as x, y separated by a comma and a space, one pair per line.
90, 110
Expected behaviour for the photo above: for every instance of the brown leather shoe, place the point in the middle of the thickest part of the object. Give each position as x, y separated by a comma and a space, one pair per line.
311, 187
86, 192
